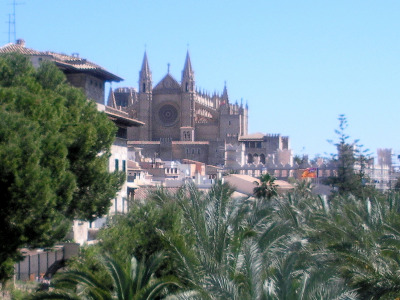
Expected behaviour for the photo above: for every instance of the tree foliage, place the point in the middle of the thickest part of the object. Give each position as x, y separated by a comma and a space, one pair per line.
350, 161
266, 188
54, 149
138, 228
130, 280
294, 246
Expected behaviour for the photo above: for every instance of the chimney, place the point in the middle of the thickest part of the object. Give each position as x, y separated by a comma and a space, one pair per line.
21, 42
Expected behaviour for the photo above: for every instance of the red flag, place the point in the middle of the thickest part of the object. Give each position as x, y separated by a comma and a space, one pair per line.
310, 173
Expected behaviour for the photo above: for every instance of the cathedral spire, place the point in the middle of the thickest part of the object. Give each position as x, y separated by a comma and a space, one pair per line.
187, 69
224, 95
145, 66
145, 76
188, 75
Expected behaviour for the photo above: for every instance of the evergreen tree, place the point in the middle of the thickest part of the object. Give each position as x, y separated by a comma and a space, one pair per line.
54, 150
350, 161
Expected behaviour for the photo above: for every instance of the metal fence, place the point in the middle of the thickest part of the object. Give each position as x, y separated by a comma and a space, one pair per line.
36, 263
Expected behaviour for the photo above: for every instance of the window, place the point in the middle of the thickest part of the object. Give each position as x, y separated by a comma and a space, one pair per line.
124, 165
144, 87
122, 133
187, 86
116, 164
229, 123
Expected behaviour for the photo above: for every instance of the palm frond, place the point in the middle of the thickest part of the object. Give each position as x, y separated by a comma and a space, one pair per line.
54, 295
221, 287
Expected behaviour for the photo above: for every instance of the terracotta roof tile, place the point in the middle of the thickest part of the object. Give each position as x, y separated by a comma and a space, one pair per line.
10, 48
143, 193
253, 136
65, 62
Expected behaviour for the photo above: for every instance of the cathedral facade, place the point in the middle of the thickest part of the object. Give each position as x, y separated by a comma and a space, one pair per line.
180, 122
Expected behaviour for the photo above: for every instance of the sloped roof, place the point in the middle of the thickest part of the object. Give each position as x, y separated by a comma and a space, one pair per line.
118, 116
245, 184
19, 48
133, 165
167, 83
121, 117
253, 136
67, 63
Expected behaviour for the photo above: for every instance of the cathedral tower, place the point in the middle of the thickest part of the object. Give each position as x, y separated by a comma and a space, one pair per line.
145, 84
145, 100
188, 94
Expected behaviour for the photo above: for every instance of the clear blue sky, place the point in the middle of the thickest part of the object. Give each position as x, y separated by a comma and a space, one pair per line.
298, 64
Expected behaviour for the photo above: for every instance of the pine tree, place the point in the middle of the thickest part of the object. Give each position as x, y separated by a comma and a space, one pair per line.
350, 161
54, 150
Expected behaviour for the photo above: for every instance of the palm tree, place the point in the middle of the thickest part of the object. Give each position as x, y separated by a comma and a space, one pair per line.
362, 238
296, 273
266, 188
303, 188
209, 255
133, 281
247, 249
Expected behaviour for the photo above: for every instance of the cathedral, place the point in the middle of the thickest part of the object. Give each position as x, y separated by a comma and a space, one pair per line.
177, 120
180, 122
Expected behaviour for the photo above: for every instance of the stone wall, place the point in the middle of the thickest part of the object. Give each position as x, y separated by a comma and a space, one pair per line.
92, 86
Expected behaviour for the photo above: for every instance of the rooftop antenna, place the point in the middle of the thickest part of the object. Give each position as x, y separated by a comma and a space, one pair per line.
12, 28
9, 28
